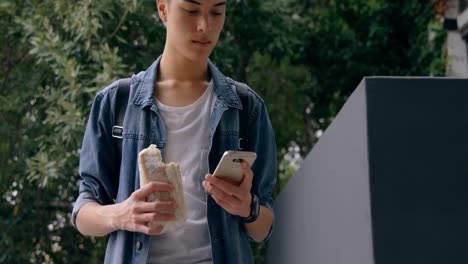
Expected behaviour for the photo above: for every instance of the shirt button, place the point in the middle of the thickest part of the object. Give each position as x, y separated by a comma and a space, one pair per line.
138, 245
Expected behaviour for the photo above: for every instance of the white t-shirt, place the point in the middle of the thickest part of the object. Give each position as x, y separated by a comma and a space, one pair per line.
187, 144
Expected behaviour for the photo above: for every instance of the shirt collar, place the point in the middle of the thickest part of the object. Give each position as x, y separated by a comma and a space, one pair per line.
224, 88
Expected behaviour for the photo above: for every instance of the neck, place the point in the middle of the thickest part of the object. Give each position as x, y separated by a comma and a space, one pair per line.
174, 67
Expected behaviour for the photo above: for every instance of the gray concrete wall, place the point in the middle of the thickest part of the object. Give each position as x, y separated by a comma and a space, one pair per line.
386, 183
323, 214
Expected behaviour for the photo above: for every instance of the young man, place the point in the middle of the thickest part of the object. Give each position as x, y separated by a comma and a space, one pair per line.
186, 107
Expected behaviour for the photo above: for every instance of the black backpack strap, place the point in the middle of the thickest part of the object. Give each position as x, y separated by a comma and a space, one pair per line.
243, 93
123, 91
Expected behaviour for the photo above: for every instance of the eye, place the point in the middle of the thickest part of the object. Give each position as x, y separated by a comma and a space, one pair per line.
217, 12
192, 12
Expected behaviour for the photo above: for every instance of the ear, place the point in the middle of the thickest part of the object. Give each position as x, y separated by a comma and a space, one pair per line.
162, 9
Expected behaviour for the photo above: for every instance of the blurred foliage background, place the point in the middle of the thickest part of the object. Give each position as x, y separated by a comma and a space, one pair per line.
303, 57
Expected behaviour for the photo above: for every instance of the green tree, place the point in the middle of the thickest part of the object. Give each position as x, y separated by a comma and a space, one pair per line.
347, 40
64, 53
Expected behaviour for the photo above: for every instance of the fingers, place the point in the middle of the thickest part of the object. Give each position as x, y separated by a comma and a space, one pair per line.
233, 198
233, 190
150, 217
218, 192
144, 228
150, 188
246, 182
148, 207
137, 213
230, 203
225, 186
227, 206
155, 231
142, 222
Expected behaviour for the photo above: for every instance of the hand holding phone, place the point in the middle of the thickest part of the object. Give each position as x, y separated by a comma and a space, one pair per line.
229, 167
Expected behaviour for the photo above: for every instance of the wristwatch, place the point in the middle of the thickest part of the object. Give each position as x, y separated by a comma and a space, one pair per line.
254, 210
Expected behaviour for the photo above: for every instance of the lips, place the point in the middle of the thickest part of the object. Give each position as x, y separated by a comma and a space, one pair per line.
202, 42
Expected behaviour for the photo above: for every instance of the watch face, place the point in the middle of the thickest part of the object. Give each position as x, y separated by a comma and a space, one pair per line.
256, 205
254, 210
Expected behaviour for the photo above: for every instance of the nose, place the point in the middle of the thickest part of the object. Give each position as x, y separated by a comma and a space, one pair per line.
204, 24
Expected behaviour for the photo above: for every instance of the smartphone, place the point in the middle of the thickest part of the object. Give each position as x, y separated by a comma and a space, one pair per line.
229, 166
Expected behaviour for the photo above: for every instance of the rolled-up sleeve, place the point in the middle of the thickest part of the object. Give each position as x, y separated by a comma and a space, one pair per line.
97, 169
262, 141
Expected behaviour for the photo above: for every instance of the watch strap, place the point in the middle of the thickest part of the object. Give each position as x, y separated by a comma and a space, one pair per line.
254, 210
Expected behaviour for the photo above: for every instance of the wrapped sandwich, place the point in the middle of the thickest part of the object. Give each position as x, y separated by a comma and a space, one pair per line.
153, 169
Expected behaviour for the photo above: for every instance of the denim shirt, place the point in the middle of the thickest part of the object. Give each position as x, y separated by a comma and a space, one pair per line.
143, 125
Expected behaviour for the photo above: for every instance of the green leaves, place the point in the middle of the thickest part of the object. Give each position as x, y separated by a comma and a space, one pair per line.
61, 59
41, 164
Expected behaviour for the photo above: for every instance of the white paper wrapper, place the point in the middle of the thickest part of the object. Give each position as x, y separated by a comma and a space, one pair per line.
153, 169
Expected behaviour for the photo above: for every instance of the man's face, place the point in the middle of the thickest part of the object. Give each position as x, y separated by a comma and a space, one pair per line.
193, 26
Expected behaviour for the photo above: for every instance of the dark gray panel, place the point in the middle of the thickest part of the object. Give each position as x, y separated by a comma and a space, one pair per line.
418, 150
323, 214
